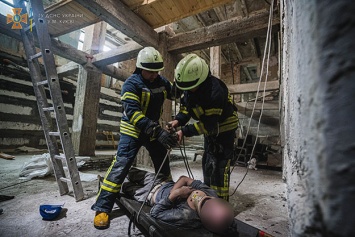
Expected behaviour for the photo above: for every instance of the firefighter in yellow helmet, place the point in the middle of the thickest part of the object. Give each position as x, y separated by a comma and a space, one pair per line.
142, 97
206, 99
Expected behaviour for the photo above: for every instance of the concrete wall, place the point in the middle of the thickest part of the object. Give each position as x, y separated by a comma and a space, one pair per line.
318, 114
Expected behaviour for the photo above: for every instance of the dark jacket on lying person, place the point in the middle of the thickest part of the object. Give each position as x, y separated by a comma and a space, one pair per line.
186, 203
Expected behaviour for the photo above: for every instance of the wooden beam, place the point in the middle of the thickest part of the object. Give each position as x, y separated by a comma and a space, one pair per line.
115, 72
243, 5
67, 69
215, 61
59, 48
170, 62
69, 52
253, 87
246, 72
268, 105
171, 11
63, 10
225, 32
237, 76
66, 51
119, 16
119, 54
88, 95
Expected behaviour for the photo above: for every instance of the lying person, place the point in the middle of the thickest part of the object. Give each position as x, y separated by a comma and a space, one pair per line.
188, 203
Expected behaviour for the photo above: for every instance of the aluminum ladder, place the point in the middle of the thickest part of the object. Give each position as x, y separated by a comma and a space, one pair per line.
64, 165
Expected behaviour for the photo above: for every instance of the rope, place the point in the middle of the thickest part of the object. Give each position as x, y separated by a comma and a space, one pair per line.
266, 51
184, 156
182, 149
155, 177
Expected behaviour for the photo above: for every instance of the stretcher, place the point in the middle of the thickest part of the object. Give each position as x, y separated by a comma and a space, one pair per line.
155, 228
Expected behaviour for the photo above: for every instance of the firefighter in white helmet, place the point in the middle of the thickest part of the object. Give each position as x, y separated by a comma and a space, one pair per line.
142, 97
206, 99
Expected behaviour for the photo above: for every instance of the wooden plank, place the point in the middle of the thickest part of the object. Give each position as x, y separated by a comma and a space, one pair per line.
67, 69
268, 105
119, 16
88, 95
170, 62
225, 32
193, 7
69, 52
57, 5
215, 61
253, 87
151, 15
66, 51
119, 54
77, 16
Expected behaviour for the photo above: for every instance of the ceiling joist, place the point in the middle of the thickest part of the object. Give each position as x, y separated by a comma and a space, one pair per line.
66, 51
119, 16
225, 32
162, 12
253, 87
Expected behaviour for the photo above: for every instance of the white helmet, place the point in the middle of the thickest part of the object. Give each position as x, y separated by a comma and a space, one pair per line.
190, 72
150, 59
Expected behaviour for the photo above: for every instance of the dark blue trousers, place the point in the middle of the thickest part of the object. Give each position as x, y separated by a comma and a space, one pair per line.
128, 148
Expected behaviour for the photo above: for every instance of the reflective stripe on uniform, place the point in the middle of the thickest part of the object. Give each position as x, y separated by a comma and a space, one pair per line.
108, 185
229, 124
136, 117
213, 111
129, 129
130, 95
200, 128
145, 101
198, 111
223, 191
183, 110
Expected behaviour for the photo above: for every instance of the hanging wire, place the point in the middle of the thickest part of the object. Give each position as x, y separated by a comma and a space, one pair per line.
266, 51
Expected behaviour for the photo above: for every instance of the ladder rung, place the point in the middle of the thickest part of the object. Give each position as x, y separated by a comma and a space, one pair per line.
65, 180
37, 55
44, 82
59, 157
48, 109
54, 134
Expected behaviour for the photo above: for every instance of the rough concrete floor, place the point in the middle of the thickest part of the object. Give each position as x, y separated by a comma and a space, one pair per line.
259, 201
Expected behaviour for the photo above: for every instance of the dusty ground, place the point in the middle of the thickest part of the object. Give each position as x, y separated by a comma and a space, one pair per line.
259, 201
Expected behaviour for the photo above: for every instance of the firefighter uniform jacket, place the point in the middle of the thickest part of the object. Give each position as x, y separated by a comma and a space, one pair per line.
211, 105
142, 103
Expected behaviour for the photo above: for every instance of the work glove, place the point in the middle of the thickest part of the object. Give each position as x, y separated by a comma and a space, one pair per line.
168, 140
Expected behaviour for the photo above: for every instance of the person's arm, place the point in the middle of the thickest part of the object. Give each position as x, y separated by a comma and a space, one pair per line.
180, 193
182, 181
130, 98
165, 210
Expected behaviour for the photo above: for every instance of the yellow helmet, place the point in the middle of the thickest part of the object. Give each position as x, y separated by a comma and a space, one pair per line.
190, 72
150, 59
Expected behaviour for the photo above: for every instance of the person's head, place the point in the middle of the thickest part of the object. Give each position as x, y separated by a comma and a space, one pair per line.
190, 72
216, 214
150, 62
